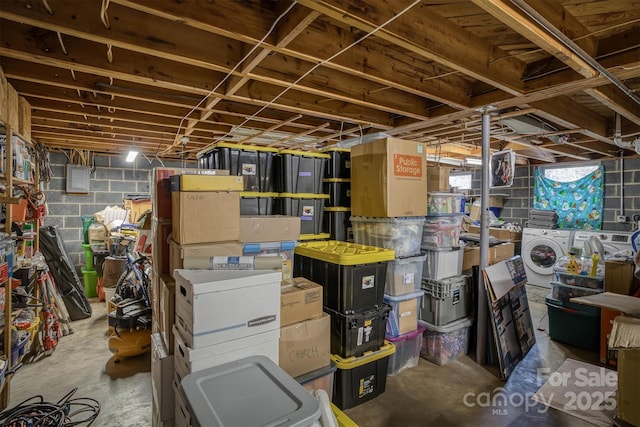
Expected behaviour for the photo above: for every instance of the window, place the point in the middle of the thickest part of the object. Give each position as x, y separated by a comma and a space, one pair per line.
460, 180
569, 174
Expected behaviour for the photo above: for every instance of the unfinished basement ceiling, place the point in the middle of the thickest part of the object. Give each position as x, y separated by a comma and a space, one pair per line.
111, 75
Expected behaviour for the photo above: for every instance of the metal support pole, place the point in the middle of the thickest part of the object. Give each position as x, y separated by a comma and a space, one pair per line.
482, 308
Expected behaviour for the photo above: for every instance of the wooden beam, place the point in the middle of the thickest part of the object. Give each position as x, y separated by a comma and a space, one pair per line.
430, 36
617, 101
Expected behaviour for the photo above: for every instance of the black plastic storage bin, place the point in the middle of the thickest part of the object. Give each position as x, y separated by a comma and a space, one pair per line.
309, 207
252, 203
574, 324
355, 334
339, 163
360, 379
352, 276
339, 191
254, 164
300, 171
336, 222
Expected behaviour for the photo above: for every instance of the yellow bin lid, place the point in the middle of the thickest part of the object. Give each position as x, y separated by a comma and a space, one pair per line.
257, 194
371, 356
303, 195
305, 153
344, 253
320, 236
336, 180
337, 209
334, 148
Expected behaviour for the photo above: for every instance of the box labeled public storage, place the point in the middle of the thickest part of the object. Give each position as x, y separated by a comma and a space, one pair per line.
300, 299
188, 360
253, 163
205, 183
389, 179
305, 346
300, 171
403, 317
191, 256
162, 378
282, 249
441, 263
445, 300
205, 217
360, 379
444, 344
167, 313
222, 305
337, 223
356, 334
407, 353
269, 228
352, 276
161, 188
306, 206
404, 275
403, 235
339, 163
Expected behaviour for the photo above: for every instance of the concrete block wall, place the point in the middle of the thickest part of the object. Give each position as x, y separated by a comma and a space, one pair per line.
520, 197
111, 179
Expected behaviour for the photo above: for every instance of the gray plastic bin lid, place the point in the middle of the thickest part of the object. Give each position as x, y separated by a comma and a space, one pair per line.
252, 391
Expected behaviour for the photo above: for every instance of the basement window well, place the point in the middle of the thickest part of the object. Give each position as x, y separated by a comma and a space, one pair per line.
569, 174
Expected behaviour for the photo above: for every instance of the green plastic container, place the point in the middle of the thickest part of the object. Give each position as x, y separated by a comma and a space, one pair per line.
88, 257
90, 283
574, 324
87, 220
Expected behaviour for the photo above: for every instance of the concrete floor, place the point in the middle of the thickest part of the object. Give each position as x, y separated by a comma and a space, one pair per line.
426, 395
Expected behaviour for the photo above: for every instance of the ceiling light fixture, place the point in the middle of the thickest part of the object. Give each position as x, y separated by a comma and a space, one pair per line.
473, 161
131, 156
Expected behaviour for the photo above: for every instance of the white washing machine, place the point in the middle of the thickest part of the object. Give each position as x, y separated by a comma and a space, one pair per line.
541, 249
612, 241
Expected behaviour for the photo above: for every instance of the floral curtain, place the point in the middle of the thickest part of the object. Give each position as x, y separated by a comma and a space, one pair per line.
579, 204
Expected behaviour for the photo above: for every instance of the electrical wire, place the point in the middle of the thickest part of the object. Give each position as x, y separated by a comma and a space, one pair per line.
67, 412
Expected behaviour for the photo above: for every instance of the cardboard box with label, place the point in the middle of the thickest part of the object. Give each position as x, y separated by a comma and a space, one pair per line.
167, 315
305, 346
497, 253
161, 187
389, 179
205, 216
192, 256
269, 228
300, 299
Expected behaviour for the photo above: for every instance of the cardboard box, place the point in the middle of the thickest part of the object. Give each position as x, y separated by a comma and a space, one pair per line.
618, 277
499, 233
161, 187
629, 386
206, 183
269, 228
300, 299
160, 232
162, 378
190, 256
438, 179
167, 315
497, 253
205, 216
136, 208
12, 107
389, 179
305, 346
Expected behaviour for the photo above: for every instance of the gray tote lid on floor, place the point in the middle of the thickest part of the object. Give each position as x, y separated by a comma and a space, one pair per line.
253, 391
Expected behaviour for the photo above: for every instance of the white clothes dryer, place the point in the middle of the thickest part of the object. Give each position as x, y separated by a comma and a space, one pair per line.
541, 248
